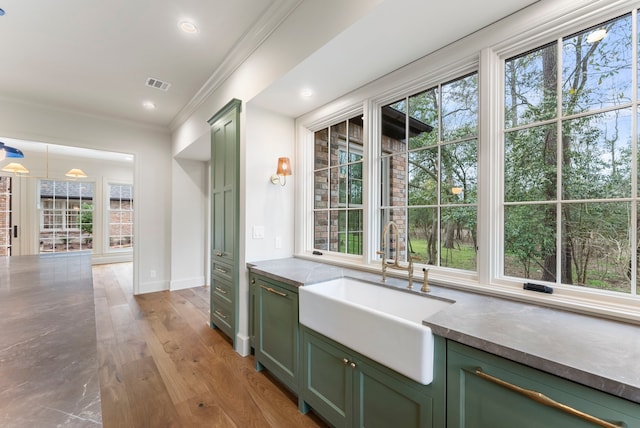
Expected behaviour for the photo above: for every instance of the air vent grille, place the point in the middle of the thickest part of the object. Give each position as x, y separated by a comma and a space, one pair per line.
158, 84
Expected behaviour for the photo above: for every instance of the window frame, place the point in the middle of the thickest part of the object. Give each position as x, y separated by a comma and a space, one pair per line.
484, 52
107, 211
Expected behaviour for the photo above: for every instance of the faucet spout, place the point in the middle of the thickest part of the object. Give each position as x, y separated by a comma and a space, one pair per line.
393, 227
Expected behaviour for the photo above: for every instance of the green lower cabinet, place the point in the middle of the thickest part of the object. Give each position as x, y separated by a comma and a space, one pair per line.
350, 390
275, 330
486, 391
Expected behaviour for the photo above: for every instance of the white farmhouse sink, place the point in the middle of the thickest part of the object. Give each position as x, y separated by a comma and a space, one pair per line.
382, 323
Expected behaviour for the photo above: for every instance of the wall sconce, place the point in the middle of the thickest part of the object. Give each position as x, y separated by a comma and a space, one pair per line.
16, 168
284, 169
76, 173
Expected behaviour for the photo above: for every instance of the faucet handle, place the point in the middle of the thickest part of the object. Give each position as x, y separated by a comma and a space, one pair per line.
425, 281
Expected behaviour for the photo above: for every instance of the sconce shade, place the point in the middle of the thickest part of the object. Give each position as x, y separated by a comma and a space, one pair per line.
76, 173
16, 168
284, 167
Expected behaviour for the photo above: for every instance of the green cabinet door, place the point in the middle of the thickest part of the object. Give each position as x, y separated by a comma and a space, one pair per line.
276, 340
383, 400
225, 206
485, 391
327, 378
349, 390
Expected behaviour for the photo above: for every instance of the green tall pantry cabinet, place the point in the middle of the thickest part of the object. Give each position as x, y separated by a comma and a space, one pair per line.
225, 203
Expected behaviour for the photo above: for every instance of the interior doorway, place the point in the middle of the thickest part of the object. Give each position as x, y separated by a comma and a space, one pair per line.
46, 210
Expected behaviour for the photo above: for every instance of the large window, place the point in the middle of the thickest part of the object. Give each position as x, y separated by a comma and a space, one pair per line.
66, 216
428, 170
570, 156
120, 214
338, 210
509, 160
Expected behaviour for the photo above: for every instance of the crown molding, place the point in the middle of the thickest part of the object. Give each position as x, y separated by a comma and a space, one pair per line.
259, 32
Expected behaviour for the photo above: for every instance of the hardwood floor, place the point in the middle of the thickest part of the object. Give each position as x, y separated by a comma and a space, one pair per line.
162, 366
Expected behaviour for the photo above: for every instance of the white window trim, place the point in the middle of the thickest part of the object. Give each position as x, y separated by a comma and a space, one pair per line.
541, 23
107, 210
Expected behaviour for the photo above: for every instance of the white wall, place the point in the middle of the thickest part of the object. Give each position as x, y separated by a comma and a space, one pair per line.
152, 173
189, 234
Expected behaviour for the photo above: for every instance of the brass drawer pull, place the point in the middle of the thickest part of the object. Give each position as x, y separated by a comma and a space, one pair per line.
543, 399
220, 314
271, 290
221, 270
220, 290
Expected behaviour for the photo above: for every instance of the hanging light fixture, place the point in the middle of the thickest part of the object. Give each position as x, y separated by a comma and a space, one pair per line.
16, 168
76, 173
9, 152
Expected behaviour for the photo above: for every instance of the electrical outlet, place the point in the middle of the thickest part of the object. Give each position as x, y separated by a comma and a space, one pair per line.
278, 241
152, 273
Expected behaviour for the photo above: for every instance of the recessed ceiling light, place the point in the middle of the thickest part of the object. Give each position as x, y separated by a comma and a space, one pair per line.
188, 27
149, 105
306, 93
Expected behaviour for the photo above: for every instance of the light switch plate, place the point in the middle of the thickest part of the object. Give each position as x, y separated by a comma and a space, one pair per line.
258, 232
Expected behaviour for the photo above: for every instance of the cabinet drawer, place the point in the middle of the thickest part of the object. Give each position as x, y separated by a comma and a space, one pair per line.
221, 270
222, 289
485, 391
222, 315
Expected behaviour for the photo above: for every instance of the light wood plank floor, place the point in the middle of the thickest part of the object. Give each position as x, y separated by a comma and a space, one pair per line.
162, 366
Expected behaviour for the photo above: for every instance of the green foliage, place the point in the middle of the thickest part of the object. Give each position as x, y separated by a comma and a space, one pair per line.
86, 218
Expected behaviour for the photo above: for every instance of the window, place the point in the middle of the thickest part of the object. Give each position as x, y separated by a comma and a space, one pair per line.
120, 214
338, 209
66, 216
548, 127
5, 216
428, 170
570, 159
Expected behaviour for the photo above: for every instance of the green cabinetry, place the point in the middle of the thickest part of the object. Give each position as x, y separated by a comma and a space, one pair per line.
486, 391
274, 329
225, 148
350, 390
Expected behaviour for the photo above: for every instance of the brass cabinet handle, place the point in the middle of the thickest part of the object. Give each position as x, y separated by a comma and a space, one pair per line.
220, 314
219, 253
543, 399
221, 291
352, 364
253, 281
271, 290
221, 270
345, 361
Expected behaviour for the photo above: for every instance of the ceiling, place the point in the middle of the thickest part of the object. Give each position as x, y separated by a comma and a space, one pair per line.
95, 56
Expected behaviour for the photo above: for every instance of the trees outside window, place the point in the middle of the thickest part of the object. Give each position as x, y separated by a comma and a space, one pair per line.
570, 198
428, 170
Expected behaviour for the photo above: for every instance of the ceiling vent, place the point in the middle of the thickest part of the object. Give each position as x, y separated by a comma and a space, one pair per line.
158, 84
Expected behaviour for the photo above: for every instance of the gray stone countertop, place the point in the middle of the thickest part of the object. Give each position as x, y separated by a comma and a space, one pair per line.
596, 352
